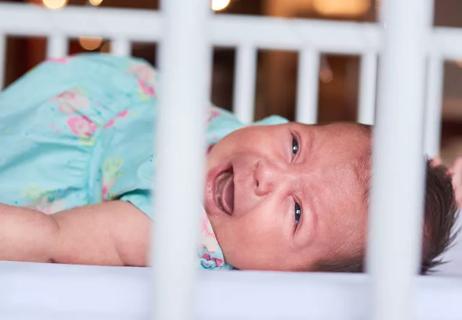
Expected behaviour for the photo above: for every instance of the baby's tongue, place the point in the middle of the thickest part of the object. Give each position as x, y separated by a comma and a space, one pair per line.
228, 195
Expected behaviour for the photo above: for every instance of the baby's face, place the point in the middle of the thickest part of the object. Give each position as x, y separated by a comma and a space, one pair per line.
289, 196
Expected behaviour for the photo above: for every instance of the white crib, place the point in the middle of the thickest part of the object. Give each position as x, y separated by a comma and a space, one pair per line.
390, 291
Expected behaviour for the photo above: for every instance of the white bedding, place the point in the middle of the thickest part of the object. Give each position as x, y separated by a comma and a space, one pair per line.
52, 291
454, 254
48, 291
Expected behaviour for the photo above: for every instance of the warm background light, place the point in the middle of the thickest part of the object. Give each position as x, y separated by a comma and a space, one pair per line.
350, 8
218, 5
90, 43
54, 4
95, 2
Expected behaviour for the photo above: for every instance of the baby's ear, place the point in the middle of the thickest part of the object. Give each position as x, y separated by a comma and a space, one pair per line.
436, 161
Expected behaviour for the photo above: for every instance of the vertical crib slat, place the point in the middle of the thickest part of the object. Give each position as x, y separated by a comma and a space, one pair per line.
434, 106
185, 67
2, 59
368, 81
307, 86
120, 47
395, 224
57, 46
244, 84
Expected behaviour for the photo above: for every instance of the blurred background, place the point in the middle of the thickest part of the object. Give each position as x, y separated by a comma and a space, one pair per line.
277, 70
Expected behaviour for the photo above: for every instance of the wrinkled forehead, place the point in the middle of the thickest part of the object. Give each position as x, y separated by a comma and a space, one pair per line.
357, 139
347, 149
346, 130
349, 139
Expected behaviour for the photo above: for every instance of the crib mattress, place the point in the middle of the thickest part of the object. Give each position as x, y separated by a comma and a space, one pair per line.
51, 291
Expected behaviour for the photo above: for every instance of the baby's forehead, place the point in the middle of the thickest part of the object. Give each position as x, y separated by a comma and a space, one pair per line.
352, 138
349, 128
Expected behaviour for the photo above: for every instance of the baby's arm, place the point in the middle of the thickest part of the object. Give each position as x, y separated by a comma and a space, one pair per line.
110, 233
26, 234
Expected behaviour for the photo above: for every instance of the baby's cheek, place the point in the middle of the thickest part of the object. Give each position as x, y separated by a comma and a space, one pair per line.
255, 241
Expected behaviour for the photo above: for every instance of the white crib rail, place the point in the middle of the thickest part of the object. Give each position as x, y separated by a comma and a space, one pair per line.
434, 101
185, 62
57, 46
395, 228
121, 47
367, 82
294, 34
244, 92
27, 20
121, 26
307, 86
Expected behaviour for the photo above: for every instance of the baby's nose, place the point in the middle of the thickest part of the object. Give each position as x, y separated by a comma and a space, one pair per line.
267, 176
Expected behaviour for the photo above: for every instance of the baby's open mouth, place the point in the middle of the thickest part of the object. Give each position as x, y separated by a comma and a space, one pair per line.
224, 191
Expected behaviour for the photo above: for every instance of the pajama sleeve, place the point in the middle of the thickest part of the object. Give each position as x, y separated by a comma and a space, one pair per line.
125, 157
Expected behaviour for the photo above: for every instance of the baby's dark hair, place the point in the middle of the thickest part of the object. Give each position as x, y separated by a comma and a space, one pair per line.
440, 212
440, 217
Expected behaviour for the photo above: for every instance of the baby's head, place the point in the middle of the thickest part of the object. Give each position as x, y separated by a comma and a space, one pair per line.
294, 197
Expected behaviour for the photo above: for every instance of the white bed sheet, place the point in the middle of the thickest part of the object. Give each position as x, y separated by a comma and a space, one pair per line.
454, 255
51, 291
